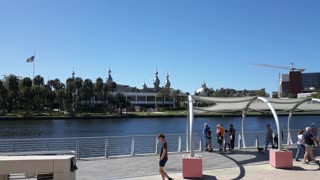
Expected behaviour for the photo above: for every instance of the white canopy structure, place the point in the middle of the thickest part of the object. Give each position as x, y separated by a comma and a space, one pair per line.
257, 104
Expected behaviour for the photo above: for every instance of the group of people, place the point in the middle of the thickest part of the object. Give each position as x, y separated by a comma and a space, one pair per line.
224, 137
307, 141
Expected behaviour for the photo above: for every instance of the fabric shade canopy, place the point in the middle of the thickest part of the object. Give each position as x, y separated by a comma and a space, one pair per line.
239, 104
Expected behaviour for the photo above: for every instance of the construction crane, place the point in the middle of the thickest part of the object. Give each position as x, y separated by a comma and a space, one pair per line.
292, 68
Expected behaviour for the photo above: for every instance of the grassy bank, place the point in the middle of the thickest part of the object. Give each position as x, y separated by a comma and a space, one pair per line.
182, 113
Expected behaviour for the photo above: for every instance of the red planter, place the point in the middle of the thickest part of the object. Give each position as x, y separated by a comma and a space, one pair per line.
192, 167
281, 159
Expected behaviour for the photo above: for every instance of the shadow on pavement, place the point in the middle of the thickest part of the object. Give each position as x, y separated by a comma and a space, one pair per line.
205, 177
242, 170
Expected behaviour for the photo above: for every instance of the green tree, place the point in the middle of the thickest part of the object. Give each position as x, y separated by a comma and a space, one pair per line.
262, 93
121, 102
12, 83
26, 82
87, 91
112, 86
38, 81
98, 89
164, 93
3, 97
27, 95
176, 96
69, 99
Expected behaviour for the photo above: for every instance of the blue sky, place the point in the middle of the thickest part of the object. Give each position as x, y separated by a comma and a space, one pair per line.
213, 41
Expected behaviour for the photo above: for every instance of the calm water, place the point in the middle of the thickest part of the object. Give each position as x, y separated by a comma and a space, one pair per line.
134, 126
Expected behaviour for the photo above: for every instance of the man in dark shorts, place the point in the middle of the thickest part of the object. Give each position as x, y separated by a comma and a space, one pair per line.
163, 157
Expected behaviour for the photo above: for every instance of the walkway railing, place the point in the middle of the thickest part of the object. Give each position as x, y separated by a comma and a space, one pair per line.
125, 145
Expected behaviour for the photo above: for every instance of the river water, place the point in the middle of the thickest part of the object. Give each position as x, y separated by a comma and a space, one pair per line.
135, 126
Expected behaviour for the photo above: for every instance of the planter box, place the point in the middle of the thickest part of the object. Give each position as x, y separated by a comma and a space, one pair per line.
192, 167
281, 159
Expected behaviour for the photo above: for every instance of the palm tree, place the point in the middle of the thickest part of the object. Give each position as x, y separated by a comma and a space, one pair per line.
3, 97
105, 92
38, 81
87, 91
69, 101
164, 93
77, 84
12, 83
26, 82
112, 86
121, 102
176, 96
98, 89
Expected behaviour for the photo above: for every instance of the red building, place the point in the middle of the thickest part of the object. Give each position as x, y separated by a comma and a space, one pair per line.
295, 83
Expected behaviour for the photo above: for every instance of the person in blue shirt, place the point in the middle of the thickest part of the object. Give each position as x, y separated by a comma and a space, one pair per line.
204, 135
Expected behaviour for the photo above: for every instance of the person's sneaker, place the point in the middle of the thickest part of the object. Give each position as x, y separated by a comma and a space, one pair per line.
297, 160
171, 179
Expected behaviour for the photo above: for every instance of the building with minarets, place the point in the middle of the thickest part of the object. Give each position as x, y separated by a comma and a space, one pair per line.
167, 83
109, 79
145, 96
156, 82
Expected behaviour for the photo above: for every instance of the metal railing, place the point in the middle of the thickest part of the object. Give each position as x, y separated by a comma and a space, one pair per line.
109, 146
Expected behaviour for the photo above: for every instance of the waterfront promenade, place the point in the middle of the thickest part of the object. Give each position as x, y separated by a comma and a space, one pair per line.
242, 164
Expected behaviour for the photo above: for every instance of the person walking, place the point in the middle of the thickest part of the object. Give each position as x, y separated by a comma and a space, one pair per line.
220, 133
308, 142
300, 145
163, 157
232, 132
269, 138
209, 142
226, 139
204, 135
314, 132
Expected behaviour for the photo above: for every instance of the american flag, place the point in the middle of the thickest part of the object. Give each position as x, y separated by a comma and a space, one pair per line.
30, 59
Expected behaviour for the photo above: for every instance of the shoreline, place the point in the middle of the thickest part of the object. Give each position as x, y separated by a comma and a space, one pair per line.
151, 115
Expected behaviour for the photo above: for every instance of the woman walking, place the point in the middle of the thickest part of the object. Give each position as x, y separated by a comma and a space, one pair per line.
300, 145
163, 157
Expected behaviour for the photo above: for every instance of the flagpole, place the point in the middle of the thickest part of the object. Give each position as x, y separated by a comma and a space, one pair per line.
34, 61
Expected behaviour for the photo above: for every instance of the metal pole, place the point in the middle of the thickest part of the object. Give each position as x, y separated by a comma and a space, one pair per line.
179, 144
275, 116
289, 139
244, 114
191, 125
106, 154
132, 147
187, 129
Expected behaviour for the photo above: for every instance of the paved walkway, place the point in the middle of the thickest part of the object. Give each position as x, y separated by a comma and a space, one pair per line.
242, 164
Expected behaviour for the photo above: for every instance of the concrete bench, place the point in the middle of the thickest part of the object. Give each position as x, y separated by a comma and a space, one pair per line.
58, 165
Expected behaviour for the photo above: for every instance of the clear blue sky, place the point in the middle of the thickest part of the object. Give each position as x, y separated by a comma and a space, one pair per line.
213, 41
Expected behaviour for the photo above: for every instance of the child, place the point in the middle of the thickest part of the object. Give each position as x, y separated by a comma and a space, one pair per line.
226, 138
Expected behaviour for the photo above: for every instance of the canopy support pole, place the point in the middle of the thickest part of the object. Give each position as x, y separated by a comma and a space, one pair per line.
191, 125
275, 116
244, 114
289, 139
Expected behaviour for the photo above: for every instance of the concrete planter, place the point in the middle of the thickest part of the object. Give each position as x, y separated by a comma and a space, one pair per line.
281, 159
192, 167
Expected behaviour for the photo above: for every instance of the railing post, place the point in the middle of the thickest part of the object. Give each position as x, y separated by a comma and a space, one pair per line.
13, 147
157, 142
106, 145
132, 147
239, 141
257, 141
200, 145
78, 149
179, 144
